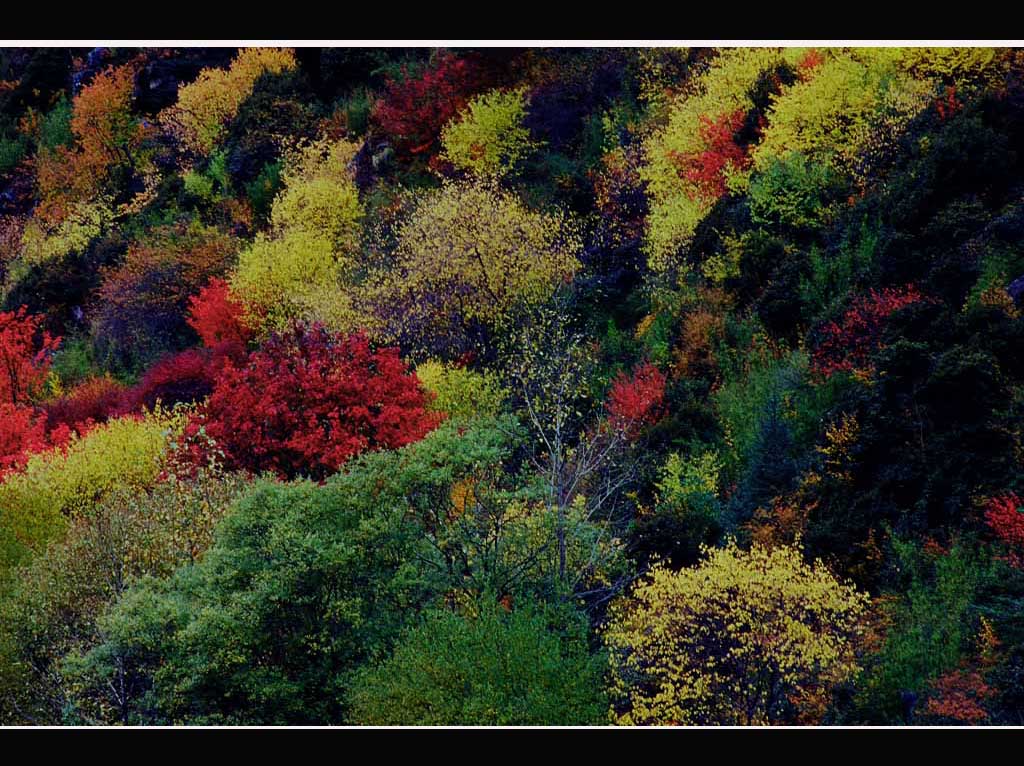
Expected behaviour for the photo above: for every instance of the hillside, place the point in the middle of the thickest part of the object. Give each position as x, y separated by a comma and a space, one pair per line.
512, 386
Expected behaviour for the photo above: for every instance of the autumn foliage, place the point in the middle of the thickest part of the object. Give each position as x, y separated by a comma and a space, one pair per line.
21, 433
217, 317
308, 400
707, 171
414, 111
25, 351
1005, 516
107, 136
637, 400
90, 402
959, 697
846, 344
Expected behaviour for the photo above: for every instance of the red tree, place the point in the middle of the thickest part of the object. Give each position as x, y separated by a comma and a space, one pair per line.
217, 317
21, 433
638, 400
706, 170
413, 112
308, 400
1005, 516
810, 61
25, 354
846, 345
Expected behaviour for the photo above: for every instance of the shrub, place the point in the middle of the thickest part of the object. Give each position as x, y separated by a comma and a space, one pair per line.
460, 392
1005, 516
217, 316
472, 253
143, 301
25, 356
63, 483
744, 638
184, 377
91, 401
846, 345
22, 432
794, 192
414, 110
638, 400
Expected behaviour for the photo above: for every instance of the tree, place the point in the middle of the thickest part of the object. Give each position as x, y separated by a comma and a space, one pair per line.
217, 316
691, 158
489, 139
25, 355
471, 253
303, 269
307, 401
143, 300
638, 400
303, 583
847, 345
484, 667
415, 109
746, 637
926, 630
107, 140
58, 485
53, 602
1005, 516
582, 462
207, 104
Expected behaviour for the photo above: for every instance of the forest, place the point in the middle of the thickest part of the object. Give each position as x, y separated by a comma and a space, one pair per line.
512, 386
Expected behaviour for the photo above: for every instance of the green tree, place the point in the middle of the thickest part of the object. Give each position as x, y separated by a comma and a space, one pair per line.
485, 667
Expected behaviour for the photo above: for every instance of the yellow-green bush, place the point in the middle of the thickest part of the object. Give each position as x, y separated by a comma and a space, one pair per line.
853, 100
297, 276
461, 393
960, 67
320, 194
488, 138
122, 454
302, 269
477, 251
84, 223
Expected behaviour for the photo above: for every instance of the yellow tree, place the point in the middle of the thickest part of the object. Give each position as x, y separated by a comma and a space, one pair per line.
304, 268
488, 138
756, 637
206, 105
471, 254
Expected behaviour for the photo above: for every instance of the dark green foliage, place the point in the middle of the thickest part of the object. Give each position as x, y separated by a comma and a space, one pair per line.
930, 628
486, 667
302, 584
